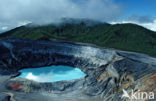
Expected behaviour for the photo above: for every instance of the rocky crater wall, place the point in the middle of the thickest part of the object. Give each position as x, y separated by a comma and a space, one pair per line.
17, 54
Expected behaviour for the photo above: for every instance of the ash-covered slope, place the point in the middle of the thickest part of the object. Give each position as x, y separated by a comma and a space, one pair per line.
108, 71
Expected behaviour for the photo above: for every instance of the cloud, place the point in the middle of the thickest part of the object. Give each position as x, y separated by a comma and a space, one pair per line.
148, 25
141, 19
3, 29
145, 21
14, 12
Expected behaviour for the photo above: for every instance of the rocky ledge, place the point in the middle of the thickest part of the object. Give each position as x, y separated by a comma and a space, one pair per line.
109, 72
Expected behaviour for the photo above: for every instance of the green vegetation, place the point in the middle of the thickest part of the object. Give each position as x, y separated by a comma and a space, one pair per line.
129, 37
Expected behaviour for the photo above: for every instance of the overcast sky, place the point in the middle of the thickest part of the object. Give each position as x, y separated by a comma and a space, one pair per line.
15, 13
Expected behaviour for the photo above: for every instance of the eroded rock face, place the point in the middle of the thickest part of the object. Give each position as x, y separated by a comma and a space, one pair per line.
108, 71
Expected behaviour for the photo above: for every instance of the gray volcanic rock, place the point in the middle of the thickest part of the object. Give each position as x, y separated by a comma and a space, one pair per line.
108, 71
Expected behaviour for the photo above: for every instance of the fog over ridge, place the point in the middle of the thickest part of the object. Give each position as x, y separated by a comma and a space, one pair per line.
19, 12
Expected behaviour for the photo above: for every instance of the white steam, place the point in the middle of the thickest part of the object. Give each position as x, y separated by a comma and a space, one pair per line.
52, 73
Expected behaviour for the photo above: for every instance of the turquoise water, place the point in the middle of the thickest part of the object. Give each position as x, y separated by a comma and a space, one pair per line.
52, 73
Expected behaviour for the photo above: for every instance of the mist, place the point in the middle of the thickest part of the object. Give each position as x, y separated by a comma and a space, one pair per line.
20, 12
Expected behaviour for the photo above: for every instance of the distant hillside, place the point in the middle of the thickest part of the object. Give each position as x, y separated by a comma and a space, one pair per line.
129, 37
